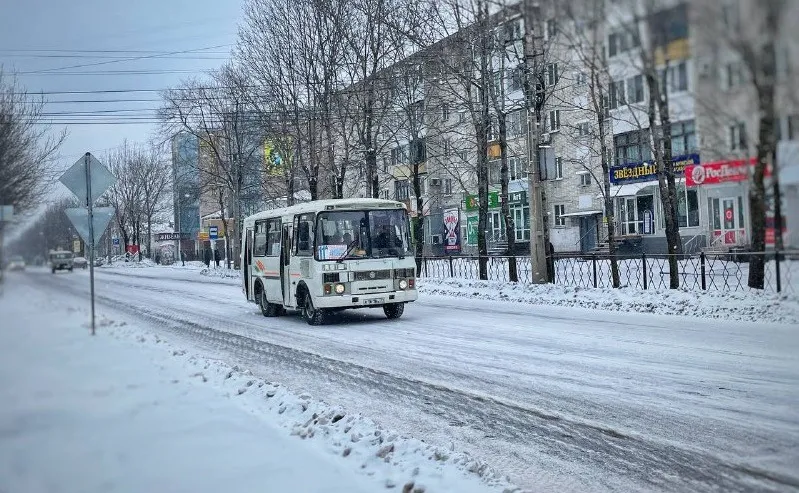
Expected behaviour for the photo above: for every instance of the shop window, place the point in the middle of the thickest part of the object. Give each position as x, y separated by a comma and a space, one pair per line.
636, 215
687, 208
521, 223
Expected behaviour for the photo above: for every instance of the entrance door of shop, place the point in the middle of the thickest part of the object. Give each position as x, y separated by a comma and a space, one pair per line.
729, 220
588, 234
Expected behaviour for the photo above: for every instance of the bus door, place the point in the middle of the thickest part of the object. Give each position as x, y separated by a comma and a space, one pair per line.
247, 267
285, 259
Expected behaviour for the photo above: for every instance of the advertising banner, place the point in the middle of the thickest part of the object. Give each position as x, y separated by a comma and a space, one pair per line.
647, 170
452, 240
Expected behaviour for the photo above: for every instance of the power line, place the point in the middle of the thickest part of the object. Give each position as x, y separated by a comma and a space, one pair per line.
128, 59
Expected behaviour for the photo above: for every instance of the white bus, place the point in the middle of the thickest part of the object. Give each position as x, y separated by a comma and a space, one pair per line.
329, 255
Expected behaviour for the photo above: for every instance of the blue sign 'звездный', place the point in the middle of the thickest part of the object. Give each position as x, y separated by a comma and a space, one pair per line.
647, 170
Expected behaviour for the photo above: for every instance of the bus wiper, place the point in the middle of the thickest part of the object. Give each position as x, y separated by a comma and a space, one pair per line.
352, 245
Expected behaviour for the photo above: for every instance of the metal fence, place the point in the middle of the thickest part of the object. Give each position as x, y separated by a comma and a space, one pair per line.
705, 271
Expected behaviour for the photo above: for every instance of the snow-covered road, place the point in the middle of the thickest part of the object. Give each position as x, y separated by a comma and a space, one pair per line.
558, 398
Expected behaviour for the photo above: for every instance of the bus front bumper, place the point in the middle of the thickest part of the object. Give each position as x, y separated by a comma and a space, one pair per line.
366, 300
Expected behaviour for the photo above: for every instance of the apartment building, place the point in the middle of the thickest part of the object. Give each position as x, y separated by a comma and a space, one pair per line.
713, 129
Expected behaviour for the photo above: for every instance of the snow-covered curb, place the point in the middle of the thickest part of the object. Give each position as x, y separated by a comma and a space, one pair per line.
741, 306
221, 272
402, 463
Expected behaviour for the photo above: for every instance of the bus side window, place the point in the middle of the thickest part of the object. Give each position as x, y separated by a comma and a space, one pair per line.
259, 249
273, 237
304, 235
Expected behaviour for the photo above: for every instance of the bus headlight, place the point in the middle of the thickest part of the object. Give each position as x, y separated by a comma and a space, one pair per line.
339, 289
403, 284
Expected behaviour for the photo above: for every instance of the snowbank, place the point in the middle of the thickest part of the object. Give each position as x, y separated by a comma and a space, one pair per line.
743, 306
221, 273
158, 415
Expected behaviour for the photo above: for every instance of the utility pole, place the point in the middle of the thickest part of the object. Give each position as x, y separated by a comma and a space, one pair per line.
537, 244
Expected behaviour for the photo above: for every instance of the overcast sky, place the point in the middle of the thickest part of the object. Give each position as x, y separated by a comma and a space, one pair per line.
64, 31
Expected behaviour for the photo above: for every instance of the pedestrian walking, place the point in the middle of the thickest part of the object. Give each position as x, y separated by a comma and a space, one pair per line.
217, 257
207, 257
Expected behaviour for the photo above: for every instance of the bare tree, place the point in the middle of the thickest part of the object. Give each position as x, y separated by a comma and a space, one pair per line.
154, 175
216, 111
758, 38
27, 147
125, 195
585, 37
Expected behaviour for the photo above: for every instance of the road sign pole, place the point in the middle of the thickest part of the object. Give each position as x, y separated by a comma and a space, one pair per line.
89, 203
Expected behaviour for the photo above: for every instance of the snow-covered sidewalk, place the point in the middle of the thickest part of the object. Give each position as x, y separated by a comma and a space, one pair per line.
124, 411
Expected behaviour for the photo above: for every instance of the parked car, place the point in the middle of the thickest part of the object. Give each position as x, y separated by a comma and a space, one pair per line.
80, 262
60, 260
16, 263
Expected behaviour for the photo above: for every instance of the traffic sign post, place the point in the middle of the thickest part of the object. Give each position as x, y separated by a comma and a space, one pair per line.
88, 179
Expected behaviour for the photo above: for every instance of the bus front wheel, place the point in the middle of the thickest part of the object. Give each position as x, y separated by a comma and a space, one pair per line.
311, 314
394, 310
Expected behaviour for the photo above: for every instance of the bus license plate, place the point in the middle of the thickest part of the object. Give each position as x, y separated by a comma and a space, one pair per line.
373, 301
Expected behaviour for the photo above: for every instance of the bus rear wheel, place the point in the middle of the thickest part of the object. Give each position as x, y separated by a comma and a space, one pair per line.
311, 314
394, 310
268, 309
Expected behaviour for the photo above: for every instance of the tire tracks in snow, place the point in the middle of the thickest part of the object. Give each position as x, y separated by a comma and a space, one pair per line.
650, 464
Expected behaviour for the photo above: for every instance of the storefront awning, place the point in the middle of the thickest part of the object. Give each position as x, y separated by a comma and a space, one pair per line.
630, 189
581, 213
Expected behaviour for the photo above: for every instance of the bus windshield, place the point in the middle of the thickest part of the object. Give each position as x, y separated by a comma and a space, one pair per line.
362, 234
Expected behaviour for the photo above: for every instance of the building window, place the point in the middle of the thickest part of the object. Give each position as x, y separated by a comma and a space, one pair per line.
447, 186
444, 111
445, 145
585, 179
552, 28
616, 94
464, 155
793, 127
515, 124
729, 15
733, 75
683, 138
737, 134
632, 147
517, 168
669, 25
635, 89
494, 168
399, 155
401, 190
515, 79
558, 168
584, 129
521, 223
558, 219
384, 161
621, 42
462, 117
675, 79
552, 74
581, 78
553, 124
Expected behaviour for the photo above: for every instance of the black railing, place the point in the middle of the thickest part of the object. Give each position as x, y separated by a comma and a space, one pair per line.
705, 271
